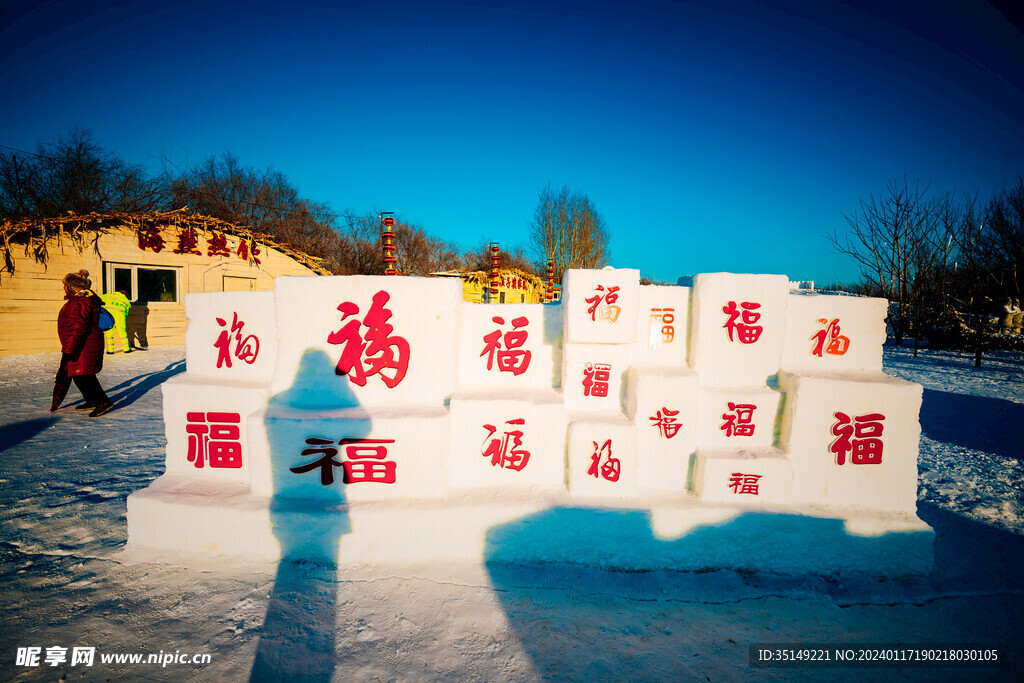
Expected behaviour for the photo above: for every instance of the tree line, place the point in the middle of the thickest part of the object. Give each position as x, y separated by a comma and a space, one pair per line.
947, 262
77, 174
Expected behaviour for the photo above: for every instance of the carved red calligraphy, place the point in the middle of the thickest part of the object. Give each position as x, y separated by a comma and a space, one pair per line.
610, 468
246, 349
666, 422
369, 348
745, 330
602, 304
739, 421
365, 461
859, 436
213, 438
506, 451
837, 344
512, 358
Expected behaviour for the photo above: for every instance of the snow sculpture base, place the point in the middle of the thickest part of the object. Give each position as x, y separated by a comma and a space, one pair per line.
495, 526
734, 424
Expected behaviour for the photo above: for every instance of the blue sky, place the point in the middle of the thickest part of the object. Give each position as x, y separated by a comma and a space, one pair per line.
712, 136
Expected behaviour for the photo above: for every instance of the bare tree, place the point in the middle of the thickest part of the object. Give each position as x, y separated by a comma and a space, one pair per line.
892, 238
479, 258
567, 228
265, 201
74, 174
1004, 219
974, 277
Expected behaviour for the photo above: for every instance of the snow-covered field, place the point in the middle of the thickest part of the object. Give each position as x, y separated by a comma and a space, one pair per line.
67, 580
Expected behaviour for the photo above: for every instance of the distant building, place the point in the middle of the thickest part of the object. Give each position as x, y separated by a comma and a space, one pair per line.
156, 258
514, 286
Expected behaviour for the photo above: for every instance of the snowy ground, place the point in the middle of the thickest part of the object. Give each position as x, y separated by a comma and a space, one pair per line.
67, 580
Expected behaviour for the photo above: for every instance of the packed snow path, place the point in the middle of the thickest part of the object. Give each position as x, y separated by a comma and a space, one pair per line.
68, 581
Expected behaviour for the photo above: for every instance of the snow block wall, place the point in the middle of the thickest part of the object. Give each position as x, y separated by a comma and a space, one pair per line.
383, 418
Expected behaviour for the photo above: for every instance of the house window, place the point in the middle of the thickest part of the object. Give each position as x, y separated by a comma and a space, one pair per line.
143, 284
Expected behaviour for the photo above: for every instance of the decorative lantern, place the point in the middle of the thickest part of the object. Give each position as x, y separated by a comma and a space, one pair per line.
549, 295
495, 257
387, 233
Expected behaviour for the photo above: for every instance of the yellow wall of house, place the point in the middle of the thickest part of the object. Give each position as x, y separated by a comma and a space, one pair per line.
31, 298
475, 290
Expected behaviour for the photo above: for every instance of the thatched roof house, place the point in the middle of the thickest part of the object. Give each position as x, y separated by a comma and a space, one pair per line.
156, 258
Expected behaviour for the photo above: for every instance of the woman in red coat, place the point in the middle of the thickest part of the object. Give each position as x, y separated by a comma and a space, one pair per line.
81, 345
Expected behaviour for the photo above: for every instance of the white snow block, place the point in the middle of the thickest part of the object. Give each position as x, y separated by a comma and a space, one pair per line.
737, 417
349, 455
509, 346
743, 476
663, 406
601, 306
603, 459
593, 378
206, 428
231, 336
509, 443
738, 327
853, 440
662, 336
179, 514
826, 333
388, 340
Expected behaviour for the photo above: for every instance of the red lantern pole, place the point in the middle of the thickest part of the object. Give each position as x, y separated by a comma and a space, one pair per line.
387, 233
550, 294
495, 256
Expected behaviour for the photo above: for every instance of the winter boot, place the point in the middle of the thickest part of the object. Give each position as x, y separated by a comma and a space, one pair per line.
102, 408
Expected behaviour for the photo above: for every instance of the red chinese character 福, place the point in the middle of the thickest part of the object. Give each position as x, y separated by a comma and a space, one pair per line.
245, 349
502, 453
746, 331
365, 461
595, 379
744, 483
740, 421
149, 238
837, 343
611, 468
602, 306
188, 242
865, 444
663, 317
217, 245
214, 437
512, 358
372, 352
665, 421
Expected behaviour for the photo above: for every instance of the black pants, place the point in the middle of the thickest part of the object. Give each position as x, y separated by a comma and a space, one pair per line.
90, 387
91, 390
